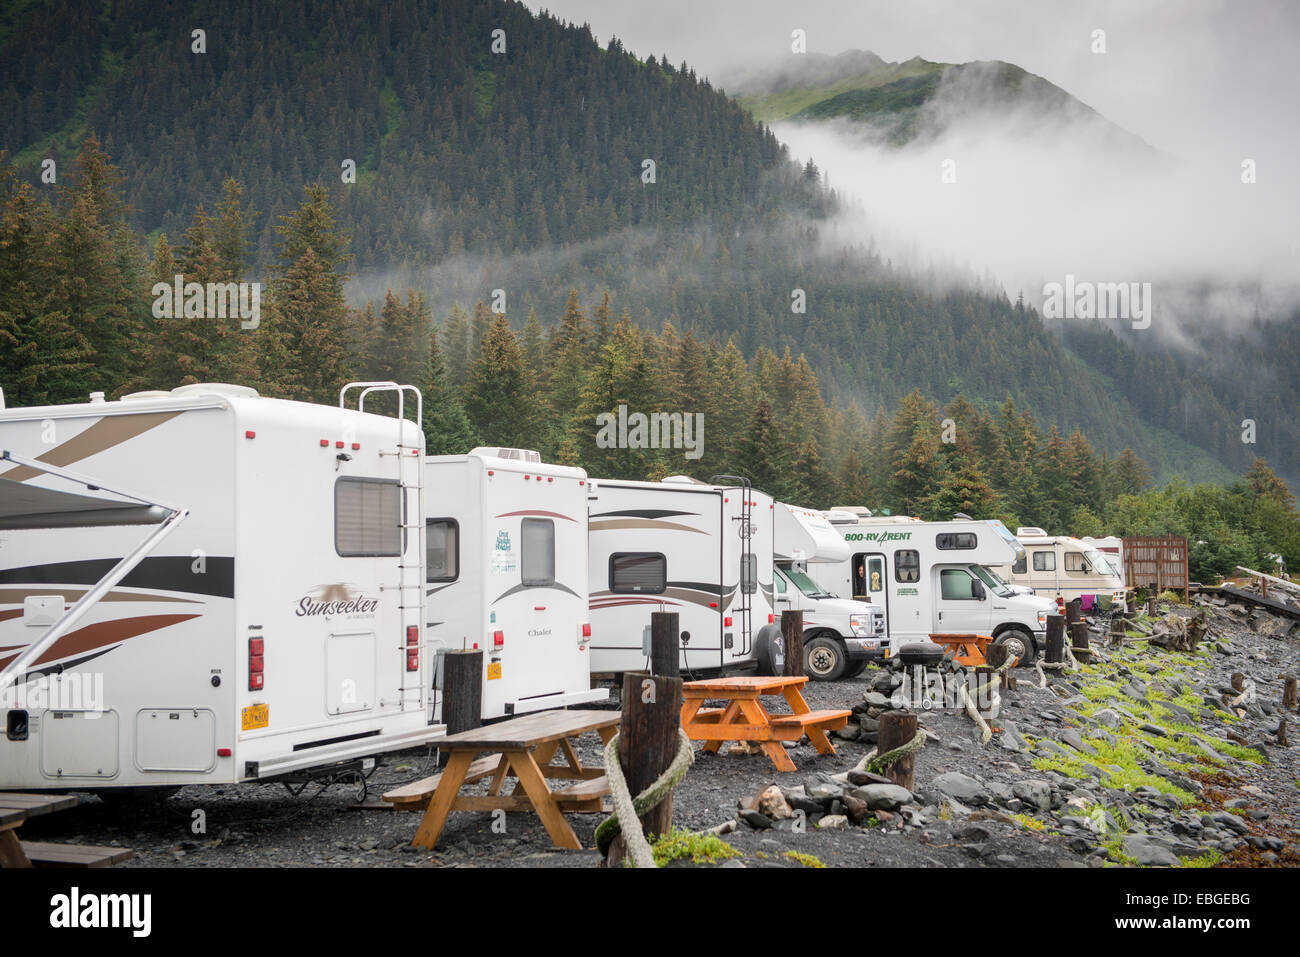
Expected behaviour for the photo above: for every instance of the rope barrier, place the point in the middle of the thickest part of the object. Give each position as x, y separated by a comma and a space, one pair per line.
628, 809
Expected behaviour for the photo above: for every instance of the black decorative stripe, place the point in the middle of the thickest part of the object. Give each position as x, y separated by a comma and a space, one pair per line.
519, 588
713, 588
164, 573
641, 513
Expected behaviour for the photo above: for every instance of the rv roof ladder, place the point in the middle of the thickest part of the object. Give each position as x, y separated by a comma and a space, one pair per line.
410, 478
746, 520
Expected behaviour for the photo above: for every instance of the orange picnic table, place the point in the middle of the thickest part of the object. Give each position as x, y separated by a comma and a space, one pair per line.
745, 719
970, 649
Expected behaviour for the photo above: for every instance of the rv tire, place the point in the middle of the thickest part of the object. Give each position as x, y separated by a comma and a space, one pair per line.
824, 659
769, 650
1016, 639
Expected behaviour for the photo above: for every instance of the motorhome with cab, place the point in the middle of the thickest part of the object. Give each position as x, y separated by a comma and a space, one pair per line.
840, 636
1063, 568
506, 573
206, 586
702, 550
935, 578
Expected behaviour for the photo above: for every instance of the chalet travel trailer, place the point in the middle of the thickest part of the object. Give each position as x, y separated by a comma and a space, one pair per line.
1063, 568
701, 550
935, 578
841, 636
507, 573
227, 587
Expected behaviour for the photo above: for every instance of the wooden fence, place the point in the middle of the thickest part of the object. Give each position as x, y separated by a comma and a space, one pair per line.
1158, 562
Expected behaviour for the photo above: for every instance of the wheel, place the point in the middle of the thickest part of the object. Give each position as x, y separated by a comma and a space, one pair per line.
769, 650
1019, 643
824, 659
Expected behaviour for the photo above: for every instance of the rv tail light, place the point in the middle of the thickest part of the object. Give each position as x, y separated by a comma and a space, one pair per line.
250, 434
726, 622
586, 629
356, 446
223, 752
771, 618
498, 639
491, 473
324, 443
582, 481
412, 647
338, 445
256, 679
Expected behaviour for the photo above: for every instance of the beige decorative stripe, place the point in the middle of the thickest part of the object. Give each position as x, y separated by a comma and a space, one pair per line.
109, 431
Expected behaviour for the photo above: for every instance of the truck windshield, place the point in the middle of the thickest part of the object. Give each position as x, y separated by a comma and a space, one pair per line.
990, 578
805, 584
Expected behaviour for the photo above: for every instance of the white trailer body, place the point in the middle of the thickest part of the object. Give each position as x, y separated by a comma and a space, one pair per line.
935, 578
275, 629
703, 551
841, 636
1063, 568
507, 573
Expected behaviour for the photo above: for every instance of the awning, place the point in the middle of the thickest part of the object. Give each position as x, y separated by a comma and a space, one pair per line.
31, 506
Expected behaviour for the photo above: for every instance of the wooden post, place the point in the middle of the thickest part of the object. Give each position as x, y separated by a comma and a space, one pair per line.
1079, 641
1073, 611
665, 659
996, 655
462, 690
792, 637
1055, 639
1117, 630
1238, 682
1152, 608
1281, 734
898, 728
1289, 693
647, 744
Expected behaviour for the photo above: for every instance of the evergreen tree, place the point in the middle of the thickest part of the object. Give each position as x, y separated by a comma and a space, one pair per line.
496, 396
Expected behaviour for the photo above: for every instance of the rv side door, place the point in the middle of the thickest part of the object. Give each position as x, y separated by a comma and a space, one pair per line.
869, 581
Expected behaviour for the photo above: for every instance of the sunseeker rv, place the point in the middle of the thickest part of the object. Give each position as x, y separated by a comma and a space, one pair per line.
207, 586
507, 573
934, 578
841, 636
701, 550
1063, 568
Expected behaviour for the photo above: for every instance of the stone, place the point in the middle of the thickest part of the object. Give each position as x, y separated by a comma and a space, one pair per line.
1034, 792
1107, 718
883, 797
772, 803
755, 819
824, 791
1155, 729
876, 700
833, 822
961, 787
971, 834
855, 808
1144, 849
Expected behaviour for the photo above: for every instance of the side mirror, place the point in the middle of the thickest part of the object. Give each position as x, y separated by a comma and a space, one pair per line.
977, 590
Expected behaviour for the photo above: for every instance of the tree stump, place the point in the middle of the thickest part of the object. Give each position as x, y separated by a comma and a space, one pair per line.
898, 728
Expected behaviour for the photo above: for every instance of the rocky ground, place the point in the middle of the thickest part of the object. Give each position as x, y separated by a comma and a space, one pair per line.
1144, 756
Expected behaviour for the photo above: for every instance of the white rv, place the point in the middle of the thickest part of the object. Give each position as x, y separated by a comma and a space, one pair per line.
207, 586
1063, 568
841, 636
507, 573
935, 578
701, 550
1113, 548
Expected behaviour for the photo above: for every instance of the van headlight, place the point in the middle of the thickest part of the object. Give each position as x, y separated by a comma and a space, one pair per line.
861, 625
1042, 621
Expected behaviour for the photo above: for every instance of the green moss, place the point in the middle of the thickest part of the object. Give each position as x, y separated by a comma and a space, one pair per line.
680, 843
1024, 820
1210, 858
807, 860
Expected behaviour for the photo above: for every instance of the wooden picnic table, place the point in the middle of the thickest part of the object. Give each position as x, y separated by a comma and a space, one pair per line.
17, 807
522, 748
745, 719
969, 649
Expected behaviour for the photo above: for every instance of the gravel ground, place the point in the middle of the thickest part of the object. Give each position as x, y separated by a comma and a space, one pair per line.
264, 825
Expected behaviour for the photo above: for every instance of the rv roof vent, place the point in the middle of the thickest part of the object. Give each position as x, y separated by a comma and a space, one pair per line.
151, 394
515, 455
839, 516
682, 480
861, 511
1029, 531
216, 388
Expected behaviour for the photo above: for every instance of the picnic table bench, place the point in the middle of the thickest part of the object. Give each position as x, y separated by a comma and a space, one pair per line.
745, 719
18, 807
522, 748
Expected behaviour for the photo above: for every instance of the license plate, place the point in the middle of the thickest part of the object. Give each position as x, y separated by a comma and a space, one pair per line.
256, 716
494, 670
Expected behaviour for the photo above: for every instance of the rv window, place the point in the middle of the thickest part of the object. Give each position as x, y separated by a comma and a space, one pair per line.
1044, 561
955, 585
442, 550
640, 572
1075, 562
953, 540
537, 551
1019, 567
877, 581
907, 565
367, 517
748, 574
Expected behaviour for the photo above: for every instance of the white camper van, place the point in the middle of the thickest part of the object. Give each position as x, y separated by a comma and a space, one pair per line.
507, 573
935, 578
207, 586
701, 550
841, 636
1063, 568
